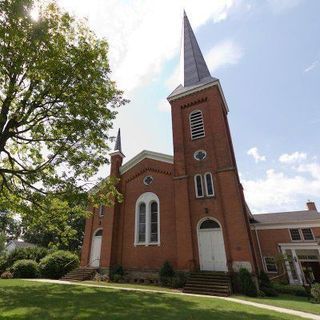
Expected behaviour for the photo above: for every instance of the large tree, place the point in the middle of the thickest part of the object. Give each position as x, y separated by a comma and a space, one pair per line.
56, 100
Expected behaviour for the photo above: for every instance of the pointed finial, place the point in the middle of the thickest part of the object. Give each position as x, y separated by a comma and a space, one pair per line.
118, 142
194, 67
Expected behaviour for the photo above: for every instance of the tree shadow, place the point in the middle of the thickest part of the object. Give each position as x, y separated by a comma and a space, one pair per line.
31, 300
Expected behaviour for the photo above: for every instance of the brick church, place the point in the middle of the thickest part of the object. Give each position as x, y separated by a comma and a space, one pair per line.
189, 208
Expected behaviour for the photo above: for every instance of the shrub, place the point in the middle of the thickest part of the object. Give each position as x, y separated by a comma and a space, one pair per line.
166, 274
266, 285
291, 289
3, 264
55, 265
25, 269
116, 273
179, 280
35, 253
315, 293
6, 275
247, 285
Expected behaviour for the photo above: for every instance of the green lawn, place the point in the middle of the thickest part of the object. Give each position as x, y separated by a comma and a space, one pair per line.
33, 300
287, 301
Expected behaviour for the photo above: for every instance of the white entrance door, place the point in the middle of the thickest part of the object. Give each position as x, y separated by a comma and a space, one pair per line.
95, 251
211, 247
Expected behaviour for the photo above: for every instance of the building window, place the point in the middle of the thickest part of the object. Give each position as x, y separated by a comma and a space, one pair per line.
101, 211
301, 234
270, 265
198, 186
142, 223
196, 125
147, 229
307, 234
209, 184
295, 235
154, 222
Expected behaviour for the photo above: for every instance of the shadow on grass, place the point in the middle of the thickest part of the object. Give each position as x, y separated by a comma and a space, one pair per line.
31, 300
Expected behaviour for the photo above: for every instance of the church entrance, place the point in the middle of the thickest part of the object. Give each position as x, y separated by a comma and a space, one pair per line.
96, 249
212, 253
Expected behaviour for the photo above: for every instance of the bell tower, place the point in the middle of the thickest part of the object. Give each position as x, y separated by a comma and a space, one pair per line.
206, 180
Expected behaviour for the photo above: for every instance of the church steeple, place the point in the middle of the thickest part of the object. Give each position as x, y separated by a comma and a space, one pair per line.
194, 70
117, 146
194, 67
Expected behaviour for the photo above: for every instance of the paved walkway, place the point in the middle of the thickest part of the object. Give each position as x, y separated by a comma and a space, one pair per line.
249, 303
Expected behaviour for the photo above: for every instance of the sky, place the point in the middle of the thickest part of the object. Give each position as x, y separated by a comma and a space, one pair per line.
266, 54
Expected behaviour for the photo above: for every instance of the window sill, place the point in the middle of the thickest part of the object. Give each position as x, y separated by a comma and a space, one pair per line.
147, 244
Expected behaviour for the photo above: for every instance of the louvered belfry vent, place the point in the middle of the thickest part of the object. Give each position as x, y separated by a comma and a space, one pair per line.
196, 125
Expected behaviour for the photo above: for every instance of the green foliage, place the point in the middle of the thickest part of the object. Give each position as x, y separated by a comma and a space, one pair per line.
57, 100
36, 254
116, 273
247, 285
315, 293
25, 269
9, 226
179, 279
6, 275
294, 290
58, 263
3, 263
166, 274
266, 285
2, 243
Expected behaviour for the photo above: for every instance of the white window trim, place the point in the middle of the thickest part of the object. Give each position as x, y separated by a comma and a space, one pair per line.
147, 198
265, 265
204, 132
196, 186
206, 185
302, 239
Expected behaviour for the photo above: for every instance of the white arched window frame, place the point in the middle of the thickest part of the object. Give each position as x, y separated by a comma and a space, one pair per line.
208, 183
196, 124
152, 220
198, 185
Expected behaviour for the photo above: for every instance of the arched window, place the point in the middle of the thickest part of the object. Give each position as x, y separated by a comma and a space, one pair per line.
209, 224
147, 229
154, 222
198, 184
209, 184
142, 223
98, 233
196, 124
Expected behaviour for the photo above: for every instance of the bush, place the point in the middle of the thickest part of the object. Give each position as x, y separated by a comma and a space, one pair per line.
35, 253
166, 274
25, 269
266, 285
247, 285
6, 275
179, 280
3, 264
291, 289
315, 293
55, 265
116, 273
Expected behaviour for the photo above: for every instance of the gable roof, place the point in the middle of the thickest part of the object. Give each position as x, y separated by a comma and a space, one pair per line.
287, 217
146, 154
21, 244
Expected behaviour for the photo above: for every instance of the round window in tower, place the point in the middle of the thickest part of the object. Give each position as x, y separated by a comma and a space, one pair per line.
147, 180
200, 155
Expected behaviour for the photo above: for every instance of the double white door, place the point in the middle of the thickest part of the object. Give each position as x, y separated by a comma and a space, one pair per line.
95, 251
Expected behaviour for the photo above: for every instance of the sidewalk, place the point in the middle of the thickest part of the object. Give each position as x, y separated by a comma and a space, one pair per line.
253, 304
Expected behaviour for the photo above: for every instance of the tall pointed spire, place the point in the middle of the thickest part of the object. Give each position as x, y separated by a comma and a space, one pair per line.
194, 67
118, 142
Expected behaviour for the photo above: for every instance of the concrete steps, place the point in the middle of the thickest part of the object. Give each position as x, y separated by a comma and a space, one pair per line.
80, 274
209, 283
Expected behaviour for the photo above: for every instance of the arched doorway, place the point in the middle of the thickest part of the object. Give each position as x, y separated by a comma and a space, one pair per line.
96, 249
212, 254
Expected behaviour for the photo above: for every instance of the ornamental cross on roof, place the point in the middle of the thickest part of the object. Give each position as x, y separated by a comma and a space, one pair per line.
194, 67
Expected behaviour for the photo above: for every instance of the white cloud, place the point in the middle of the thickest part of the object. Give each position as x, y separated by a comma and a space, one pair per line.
280, 6
144, 34
222, 54
312, 66
278, 191
293, 157
255, 154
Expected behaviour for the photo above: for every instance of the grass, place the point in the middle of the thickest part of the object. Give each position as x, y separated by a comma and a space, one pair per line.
287, 301
132, 285
34, 300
